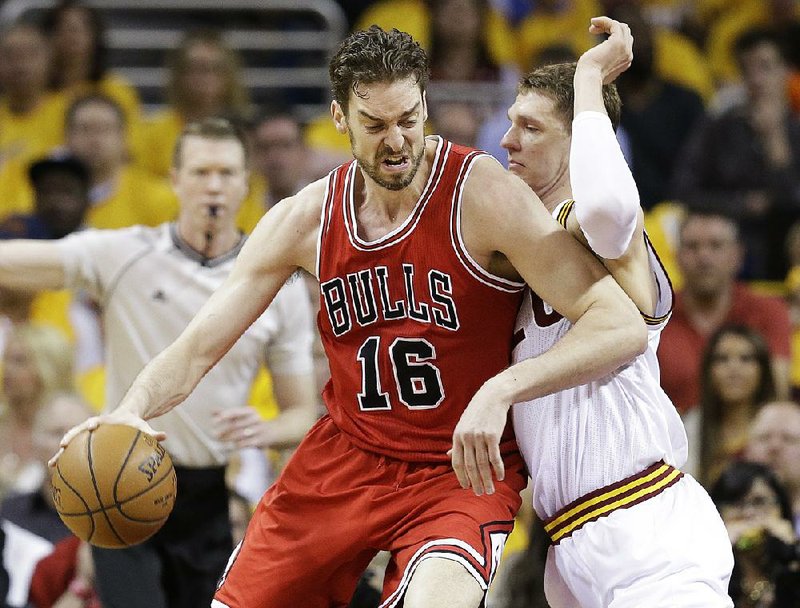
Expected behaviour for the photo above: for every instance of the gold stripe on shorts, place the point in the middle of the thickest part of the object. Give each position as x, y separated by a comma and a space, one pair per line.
620, 495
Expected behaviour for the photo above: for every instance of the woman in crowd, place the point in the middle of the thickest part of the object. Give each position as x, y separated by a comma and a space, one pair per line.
204, 81
736, 379
756, 511
79, 58
37, 360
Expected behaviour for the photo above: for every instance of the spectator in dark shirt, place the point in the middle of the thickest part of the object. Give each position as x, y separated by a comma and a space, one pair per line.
755, 508
657, 116
61, 198
746, 162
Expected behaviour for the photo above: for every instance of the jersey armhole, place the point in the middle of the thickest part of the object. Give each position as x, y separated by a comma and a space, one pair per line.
456, 238
665, 296
325, 216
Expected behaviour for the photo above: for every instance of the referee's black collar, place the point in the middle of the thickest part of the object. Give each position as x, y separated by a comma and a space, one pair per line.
198, 257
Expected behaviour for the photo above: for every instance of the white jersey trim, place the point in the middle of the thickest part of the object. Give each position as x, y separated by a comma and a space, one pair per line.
325, 222
428, 551
666, 294
407, 227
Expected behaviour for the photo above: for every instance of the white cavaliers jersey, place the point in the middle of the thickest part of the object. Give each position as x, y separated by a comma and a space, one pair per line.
150, 284
587, 437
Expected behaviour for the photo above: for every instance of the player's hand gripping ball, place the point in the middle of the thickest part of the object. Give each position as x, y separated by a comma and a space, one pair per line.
114, 486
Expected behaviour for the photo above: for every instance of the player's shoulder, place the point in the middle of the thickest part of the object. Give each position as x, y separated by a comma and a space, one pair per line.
305, 207
288, 232
494, 196
488, 179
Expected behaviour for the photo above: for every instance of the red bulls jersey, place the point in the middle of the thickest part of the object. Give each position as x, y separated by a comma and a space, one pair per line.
411, 325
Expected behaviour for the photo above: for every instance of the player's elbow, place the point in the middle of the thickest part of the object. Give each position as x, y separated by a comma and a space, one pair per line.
609, 223
633, 333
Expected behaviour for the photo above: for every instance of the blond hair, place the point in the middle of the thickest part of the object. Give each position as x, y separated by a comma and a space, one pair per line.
236, 101
52, 355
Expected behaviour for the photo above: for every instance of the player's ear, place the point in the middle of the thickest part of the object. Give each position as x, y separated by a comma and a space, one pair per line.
339, 118
424, 106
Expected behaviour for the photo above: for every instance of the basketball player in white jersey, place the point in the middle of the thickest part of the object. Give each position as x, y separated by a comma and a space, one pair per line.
628, 529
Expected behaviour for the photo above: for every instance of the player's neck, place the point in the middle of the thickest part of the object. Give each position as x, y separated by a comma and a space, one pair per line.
553, 198
554, 193
393, 205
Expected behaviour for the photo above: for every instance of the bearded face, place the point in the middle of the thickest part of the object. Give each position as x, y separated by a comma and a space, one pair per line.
385, 124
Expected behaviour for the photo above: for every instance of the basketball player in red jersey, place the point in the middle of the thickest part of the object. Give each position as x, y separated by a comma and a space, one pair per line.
420, 247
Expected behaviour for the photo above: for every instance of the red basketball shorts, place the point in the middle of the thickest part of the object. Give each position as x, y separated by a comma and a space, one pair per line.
335, 506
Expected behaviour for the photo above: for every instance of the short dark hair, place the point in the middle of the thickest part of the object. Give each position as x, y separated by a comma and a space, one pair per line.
211, 128
67, 164
90, 99
273, 111
701, 214
738, 478
752, 38
556, 81
375, 55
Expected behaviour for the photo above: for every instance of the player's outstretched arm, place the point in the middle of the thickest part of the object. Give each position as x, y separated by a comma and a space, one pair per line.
31, 265
501, 214
607, 200
607, 215
284, 240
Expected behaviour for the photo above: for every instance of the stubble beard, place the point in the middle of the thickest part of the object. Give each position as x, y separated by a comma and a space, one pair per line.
398, 182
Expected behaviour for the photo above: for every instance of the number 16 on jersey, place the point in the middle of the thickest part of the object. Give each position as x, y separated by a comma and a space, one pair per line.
418, 381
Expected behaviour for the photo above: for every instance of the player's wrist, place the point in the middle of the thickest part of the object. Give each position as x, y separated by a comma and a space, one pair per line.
589, 69
504, 387
588, 87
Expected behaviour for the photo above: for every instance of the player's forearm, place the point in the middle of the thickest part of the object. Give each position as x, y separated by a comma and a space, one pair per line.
607, 200
606, 337
164, 382
31, 265
588, 83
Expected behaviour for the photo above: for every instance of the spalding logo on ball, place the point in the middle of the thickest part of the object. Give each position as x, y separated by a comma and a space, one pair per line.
114, 486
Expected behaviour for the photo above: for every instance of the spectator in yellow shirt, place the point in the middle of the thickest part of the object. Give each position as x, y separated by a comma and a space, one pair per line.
204, 81
121, 194
78, 66
31, 119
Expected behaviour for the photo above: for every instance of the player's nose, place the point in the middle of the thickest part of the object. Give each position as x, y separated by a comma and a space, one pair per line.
394, 139
508, 142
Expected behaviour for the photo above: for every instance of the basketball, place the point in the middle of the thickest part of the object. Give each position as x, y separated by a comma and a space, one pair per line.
114, 486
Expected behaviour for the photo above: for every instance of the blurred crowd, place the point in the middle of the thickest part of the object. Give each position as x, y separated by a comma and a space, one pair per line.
710, 127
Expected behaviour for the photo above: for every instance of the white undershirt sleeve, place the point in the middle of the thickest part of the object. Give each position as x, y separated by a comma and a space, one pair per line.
606, 197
